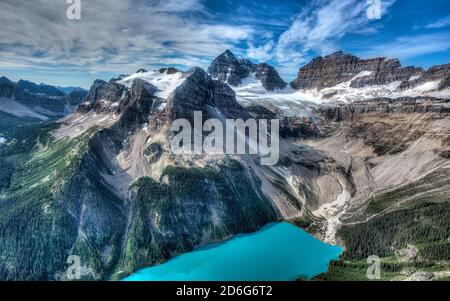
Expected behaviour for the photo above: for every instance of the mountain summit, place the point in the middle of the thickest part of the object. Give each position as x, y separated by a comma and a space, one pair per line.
232, 70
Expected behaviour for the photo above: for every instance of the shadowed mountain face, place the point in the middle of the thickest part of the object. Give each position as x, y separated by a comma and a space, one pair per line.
227, 68
32, 102
103, 183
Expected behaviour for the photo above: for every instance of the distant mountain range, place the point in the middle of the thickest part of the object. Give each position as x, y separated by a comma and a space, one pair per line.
364, 162
25, 101
70, 89
337, 78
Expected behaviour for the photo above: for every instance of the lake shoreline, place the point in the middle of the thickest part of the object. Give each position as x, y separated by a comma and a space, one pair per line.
295, 255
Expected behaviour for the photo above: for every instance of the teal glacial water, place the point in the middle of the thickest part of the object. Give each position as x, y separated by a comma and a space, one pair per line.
279, 251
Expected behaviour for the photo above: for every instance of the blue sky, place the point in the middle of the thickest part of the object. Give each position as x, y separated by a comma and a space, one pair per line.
39, 43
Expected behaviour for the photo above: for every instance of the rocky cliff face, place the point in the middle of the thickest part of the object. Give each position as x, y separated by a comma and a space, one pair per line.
232, 70
269, 77
6, 87
332, 70
198, 92
337, 68
440, 74
227, 68
407, 105
101, 97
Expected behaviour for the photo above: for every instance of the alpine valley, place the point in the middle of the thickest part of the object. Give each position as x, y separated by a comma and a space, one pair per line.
364, 164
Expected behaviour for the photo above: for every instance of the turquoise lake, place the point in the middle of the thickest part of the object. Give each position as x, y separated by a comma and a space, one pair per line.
279, 251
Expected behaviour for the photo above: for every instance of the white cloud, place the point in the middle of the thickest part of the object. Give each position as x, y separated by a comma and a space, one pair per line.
319, 26
443, 22
113, 35
9, 65
262, 53
406, 47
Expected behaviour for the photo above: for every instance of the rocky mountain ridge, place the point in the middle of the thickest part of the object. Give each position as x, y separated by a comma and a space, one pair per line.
232, 70
334, 69
25, 99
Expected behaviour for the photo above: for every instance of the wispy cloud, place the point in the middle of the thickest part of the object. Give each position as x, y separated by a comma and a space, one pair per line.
440, 23
120, 36
407, 47
316, 30
262, 53
321, 24
114, 35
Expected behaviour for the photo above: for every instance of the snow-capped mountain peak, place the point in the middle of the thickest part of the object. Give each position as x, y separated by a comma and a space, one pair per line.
165, 80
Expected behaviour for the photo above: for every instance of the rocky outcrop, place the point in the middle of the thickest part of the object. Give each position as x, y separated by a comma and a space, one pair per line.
269, 77
388, 71
331, 70
138, 104
198, 92
228, 68
440, 73
169, 70
102, 95
232, 70
328, 71
6, 87
102, 90
407, 105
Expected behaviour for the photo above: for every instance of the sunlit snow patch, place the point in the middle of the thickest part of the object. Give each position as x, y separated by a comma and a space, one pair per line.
287, 101
166, 83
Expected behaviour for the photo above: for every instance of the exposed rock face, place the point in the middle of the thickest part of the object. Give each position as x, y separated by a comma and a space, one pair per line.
169, 70
76, 97
230, 69
329, 71
6, 87
138, 104
269, 77
198, 92
407, 105
388, 71
104, 90
439, 73
323, 72
102, 95
317, 126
